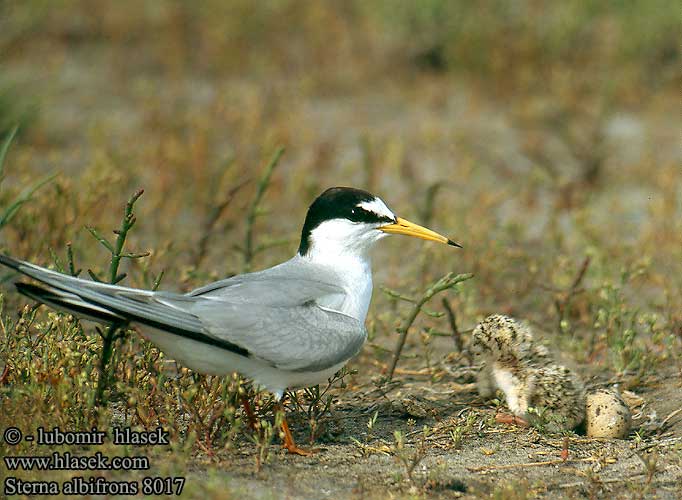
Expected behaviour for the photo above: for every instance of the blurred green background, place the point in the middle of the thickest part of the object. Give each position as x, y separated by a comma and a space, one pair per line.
539, 135
542, 126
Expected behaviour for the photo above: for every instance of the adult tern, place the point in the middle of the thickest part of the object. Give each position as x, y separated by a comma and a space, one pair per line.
290, 326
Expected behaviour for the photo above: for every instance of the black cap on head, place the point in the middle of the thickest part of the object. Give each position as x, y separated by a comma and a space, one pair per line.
338, 203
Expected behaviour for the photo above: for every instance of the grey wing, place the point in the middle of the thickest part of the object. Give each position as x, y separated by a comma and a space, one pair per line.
284, 315
304, 337
115, 304
287, 284
272, 316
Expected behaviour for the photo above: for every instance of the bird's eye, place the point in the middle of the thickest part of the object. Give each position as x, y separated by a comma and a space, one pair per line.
352, 211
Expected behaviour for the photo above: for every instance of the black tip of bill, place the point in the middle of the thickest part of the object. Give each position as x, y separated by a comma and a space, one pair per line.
452, 243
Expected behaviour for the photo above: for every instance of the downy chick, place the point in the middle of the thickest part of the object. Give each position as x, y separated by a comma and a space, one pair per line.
537, 389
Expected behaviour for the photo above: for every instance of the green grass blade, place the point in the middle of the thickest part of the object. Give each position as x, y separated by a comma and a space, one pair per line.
3, 150
23, 197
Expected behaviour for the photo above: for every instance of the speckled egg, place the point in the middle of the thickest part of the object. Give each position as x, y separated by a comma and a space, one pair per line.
607, 415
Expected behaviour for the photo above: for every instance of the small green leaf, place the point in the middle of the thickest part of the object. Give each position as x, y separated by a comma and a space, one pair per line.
396, 295
157, 281
56, 260
94, 276
131, 255
119, 278
69, 258
433, 314
100, 238
4, 148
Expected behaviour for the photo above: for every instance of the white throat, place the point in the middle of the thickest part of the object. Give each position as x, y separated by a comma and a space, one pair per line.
342, 239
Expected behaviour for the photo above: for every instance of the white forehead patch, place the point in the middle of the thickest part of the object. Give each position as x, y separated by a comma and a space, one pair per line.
378, 207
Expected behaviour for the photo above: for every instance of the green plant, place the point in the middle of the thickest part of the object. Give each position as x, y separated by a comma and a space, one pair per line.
622, 326
115, 331
447, 282
410, 458
461, 430
316, 403
25, 195
365, 446
250, 250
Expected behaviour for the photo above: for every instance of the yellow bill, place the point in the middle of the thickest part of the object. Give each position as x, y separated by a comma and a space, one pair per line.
411, 229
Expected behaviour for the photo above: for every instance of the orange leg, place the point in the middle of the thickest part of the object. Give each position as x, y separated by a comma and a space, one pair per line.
505, 418
289, 443
564, 450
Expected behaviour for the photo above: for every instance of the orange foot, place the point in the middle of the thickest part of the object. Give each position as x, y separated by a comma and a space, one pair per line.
506, 418
289, 443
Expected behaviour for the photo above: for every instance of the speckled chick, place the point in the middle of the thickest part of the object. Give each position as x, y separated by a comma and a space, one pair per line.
536, 388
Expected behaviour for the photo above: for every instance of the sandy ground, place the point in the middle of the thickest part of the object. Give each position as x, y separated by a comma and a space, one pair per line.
492, 459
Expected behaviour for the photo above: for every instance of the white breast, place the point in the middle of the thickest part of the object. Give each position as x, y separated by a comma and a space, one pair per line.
511, 386
356, 279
